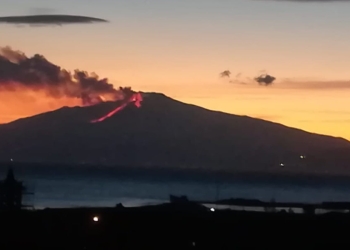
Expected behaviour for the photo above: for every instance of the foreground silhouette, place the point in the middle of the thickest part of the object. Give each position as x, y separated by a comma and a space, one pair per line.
175, 225
11, 192
180, 224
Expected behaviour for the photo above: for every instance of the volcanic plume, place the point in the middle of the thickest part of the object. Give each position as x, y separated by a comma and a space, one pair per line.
22, 74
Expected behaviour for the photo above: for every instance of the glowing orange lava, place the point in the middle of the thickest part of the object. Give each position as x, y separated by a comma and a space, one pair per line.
136, 98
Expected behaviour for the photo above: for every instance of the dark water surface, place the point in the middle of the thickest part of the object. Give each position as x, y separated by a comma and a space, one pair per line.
84, 186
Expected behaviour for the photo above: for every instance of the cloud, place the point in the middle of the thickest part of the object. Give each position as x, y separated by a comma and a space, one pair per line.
287, 83
323, 112
238, 79
337, 121
50, 19
225, 73
314, 85
265, 79
262, 79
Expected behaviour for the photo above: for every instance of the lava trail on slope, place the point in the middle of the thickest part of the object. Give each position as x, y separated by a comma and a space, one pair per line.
136, 99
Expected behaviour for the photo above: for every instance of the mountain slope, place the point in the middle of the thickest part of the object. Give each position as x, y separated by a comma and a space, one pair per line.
165, 132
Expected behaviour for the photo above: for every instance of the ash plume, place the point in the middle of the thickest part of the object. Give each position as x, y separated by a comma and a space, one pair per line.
20, 73
50, 19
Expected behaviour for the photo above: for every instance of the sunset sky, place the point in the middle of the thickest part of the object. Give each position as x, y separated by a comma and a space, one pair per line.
179, 47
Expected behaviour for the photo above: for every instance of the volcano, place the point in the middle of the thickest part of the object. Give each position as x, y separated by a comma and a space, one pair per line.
167, 133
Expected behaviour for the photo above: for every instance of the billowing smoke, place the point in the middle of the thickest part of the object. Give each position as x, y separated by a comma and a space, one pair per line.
36, 73
265, 79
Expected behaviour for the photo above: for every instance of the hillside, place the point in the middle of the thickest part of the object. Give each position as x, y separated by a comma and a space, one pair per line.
167, 133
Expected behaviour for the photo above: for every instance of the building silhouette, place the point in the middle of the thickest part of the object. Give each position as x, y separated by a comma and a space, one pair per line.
11, 192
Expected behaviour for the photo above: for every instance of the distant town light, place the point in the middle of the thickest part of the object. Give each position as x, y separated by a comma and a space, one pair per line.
95, 218
302, 157
212, 209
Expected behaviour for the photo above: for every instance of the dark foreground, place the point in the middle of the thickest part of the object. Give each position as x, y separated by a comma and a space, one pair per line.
170, 226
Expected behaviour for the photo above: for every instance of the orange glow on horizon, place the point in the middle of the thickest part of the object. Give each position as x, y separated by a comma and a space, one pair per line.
323, 111
20, 104
318, 112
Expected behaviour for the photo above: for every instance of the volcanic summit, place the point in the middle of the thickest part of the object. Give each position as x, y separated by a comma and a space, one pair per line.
166, 133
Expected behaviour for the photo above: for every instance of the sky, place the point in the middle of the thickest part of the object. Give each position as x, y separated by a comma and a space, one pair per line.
179, 48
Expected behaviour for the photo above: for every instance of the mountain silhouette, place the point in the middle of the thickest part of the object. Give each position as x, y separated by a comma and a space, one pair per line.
170, 134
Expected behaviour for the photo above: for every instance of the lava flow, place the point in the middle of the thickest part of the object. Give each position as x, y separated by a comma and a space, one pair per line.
135, 98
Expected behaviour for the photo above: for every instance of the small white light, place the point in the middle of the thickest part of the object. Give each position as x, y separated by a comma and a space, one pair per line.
95, 219
11, 159
281, 164
212, 209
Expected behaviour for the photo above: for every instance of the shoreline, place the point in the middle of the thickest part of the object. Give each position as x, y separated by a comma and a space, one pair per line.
186, 173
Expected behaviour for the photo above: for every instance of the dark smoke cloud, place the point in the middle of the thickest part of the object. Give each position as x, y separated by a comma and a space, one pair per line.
265, 79
17, 71
50, 19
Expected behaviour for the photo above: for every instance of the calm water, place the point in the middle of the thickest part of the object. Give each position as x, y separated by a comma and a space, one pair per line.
59, 187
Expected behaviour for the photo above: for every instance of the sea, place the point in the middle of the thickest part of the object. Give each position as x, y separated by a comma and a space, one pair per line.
57, 187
